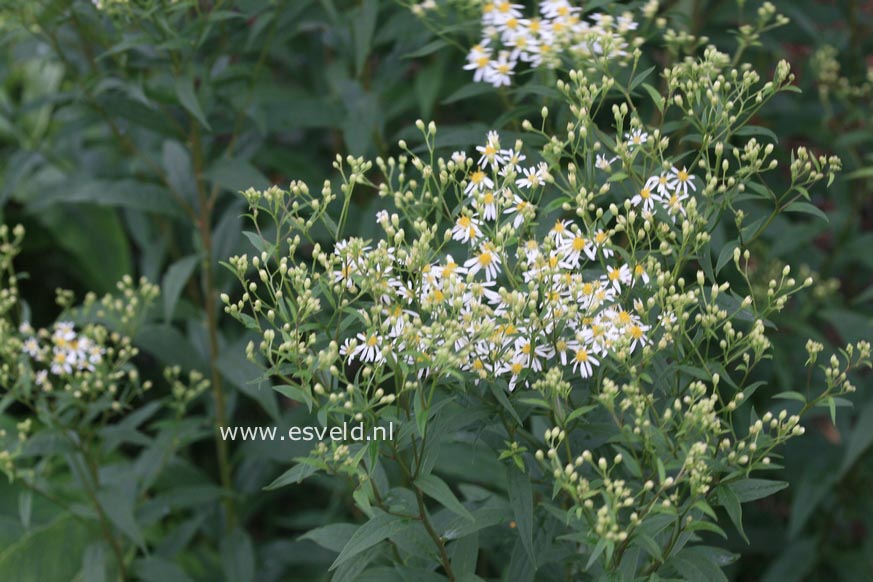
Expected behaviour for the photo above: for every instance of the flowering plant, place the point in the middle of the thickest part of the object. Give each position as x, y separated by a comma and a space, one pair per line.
83, 395
549, 316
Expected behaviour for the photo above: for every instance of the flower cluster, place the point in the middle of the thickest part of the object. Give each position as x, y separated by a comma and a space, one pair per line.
559, 32
585, 271
565, 307
65, 351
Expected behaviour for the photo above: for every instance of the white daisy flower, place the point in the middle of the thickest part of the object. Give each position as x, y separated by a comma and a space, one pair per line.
636, 137
512, 161
646, 198
466, 229
673, 204
487, 260
618, 276
368, 349
479, 61
519, 207
500, 71
31, 348
491, 153
682, 180
661, 184
534, 177
603, 163
486, 204
572, 249
62, 362
583, 361
478, 181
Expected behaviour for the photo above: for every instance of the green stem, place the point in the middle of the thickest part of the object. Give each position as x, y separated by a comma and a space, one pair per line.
209, 306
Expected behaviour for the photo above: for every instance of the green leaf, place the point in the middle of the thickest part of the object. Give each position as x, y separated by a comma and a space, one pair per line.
427, 49
579, 412
731, 503
238, 557
95, 238
169, 346
861, 173
25, 507
640, 78
753, 489
795, 561
332, 537
118, 506
180, 173
500, 394
647, 543
295, 474
521, 500
362, 33
467, 91
791, 395
296, 393
860, 439
94, 563
379, 528
174, 281
155, 569
595, 553
816, 481
427, 84
757, 130
125, 193
725, 256
695, 565
464, 554
236, 175
44, 553
656, 96
806, 208
436, 488
188, 99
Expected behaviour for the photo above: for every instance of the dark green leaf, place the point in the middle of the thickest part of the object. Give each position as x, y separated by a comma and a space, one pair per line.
752, 489
379, 528
521, 500
436, 488
174, 281
188, 99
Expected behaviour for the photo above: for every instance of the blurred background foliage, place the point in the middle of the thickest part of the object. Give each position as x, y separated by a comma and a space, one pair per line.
127, 131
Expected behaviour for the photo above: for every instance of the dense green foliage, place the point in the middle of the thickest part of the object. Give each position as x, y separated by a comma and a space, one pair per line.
127, 131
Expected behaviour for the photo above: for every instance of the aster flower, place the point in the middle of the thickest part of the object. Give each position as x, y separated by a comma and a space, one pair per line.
681, 180
500, 71
636, 137
491, 153
487, 260
466, 229
478, 181
534, 177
